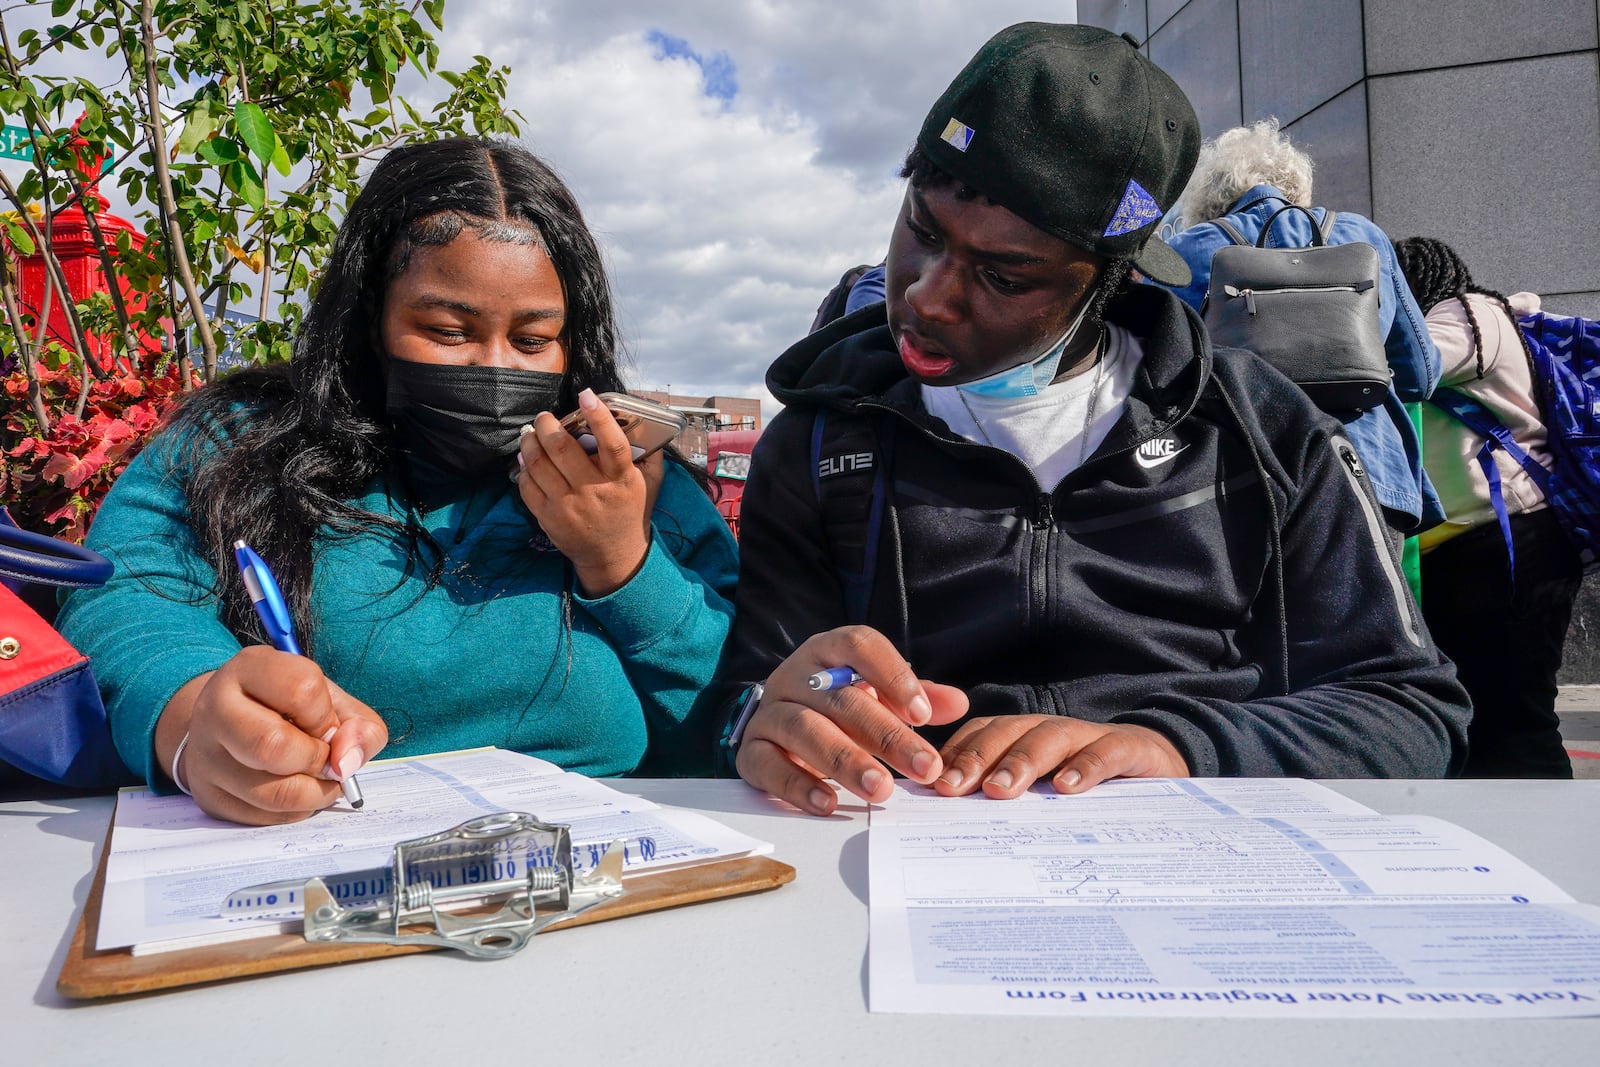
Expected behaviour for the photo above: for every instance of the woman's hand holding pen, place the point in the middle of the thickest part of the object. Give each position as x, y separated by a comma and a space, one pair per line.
269, 737
801, 735
595, 509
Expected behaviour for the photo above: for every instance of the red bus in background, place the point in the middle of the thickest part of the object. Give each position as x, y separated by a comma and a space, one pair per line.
728, 464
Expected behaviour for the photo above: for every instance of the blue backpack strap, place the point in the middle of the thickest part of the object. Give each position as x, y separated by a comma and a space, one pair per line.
818, 426
849, 474
1481, 421
1497, 498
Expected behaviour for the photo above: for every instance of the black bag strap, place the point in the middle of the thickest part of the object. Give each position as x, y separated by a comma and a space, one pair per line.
1319, 238
31, 557
850, 475
1231, 232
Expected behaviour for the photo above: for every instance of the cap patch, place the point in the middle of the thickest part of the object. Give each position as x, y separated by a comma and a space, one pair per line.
958, 135
1138, 208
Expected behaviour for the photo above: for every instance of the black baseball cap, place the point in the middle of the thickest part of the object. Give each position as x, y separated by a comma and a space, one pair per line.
1072, 129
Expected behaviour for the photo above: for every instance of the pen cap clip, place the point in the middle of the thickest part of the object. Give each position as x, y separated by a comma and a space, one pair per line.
252, 585
266, 597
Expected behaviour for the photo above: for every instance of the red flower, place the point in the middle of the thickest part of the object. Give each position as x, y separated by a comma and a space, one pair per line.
70, 470
54, 481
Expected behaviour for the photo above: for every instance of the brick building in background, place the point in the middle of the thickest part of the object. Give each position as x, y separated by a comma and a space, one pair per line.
707, 414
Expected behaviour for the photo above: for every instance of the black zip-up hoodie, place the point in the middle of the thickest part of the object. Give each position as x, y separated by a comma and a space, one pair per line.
1264, 632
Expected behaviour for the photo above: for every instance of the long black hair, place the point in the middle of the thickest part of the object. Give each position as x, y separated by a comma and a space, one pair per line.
1435, 273
274, 454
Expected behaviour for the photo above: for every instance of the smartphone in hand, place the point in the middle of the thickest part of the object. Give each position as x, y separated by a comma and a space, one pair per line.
649, 426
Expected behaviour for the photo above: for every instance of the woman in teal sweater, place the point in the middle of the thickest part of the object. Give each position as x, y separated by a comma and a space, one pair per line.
461, 572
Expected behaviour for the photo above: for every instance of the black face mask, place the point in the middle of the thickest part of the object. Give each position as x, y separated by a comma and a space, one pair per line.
465, 420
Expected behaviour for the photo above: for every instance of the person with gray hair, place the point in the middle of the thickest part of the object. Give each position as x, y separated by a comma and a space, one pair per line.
1258, 154
1246, 175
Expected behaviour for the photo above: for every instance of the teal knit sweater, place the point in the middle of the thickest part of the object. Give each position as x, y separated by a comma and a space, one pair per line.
483, 658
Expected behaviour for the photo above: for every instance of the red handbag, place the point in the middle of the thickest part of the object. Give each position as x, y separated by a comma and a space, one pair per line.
52, 721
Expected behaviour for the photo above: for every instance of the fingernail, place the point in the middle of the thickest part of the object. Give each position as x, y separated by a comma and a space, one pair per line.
351, 763
1000, 779
820, 798
1071, 779
922, 764
870, 782
921, 710
520, 461
953, 778
587, 400
329, 735
526, 429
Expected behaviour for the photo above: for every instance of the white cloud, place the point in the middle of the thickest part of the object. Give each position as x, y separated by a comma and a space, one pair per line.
726, 220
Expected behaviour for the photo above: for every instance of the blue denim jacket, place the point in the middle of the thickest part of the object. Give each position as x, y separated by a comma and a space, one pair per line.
1384, 436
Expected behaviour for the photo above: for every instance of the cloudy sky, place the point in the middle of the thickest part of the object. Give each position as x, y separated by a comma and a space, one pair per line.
733, 156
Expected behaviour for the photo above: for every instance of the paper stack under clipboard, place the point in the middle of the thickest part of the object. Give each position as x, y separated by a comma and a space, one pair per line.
475, 850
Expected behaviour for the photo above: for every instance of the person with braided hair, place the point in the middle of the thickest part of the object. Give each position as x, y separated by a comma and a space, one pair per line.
1504, 627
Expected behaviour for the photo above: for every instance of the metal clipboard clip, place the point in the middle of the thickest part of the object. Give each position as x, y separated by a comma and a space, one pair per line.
509, 859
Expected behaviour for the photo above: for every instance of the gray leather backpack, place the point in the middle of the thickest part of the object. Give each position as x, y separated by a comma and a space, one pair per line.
1311, 312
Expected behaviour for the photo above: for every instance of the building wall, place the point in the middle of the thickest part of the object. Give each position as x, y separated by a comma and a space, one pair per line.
1474, 121
717, 412
706, 414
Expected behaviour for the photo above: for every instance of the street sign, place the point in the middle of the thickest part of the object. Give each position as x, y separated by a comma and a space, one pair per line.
16, 143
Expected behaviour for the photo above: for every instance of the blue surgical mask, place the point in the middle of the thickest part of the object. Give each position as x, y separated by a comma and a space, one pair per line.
1030, 379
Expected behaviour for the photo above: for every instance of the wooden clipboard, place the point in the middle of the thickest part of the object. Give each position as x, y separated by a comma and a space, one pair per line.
89, 974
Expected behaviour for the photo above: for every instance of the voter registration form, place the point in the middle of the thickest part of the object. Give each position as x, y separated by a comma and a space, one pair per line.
1212, 897
171, 865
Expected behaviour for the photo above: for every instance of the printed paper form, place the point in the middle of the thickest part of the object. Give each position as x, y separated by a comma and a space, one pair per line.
1137, 798
1073, 905
171, 865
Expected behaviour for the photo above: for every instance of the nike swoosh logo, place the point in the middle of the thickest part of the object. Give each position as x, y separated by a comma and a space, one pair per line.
1152, 462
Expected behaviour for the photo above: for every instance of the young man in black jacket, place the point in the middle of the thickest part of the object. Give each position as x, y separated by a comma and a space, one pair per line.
1118, 550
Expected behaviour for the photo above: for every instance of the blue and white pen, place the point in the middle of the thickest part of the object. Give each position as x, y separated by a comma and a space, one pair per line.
274, 614
833, 678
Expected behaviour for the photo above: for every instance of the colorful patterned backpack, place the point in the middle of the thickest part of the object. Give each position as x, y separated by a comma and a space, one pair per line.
1566, 378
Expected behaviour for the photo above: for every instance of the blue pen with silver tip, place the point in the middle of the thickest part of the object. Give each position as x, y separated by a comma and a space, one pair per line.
274, 614
833, 678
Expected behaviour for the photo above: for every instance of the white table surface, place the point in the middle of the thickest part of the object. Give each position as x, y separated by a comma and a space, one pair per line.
775, 978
